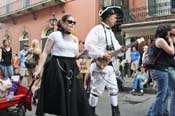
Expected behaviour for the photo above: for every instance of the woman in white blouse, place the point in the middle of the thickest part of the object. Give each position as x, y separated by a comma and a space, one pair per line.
62, 91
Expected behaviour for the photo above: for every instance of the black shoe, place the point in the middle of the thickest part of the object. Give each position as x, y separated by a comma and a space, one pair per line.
34, 101
93, 111
115, 111
95, 114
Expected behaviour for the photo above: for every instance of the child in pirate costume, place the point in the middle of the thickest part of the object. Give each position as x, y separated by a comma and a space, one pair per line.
98, 41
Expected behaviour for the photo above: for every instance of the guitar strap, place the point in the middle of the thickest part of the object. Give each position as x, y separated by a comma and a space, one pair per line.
110, 63
106, 37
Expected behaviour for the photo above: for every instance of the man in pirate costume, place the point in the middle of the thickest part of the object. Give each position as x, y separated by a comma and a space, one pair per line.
99, 40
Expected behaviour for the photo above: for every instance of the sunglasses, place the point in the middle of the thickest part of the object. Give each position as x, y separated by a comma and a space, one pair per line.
71, 22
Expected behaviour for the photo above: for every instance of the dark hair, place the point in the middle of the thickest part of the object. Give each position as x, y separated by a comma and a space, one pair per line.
5, 41
60, 27
162, 30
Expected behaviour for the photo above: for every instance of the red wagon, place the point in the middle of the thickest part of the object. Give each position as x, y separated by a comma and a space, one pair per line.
21, 99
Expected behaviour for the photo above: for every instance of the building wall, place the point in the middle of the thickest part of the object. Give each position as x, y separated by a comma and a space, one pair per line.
2, 3
146, 28
84, 11
137, 3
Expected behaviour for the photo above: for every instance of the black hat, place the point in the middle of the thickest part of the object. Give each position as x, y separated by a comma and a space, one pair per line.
110, 10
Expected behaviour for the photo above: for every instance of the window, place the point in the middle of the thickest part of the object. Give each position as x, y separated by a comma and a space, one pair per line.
159, 7
151, 8
7, 37
110, 2
8, 6
47, 33
24, 38
172, 6
107, 2
26, 3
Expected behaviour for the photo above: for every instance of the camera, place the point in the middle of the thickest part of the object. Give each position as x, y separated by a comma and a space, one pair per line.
109, 47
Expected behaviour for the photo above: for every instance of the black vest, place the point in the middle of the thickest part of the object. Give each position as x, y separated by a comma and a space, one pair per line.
163, 60
6, 57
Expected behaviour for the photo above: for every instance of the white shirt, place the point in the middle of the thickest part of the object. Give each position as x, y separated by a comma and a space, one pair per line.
22, 57
143, 57
66, 46
96, 40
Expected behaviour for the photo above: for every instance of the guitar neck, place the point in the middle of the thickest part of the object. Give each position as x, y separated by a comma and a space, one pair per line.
115, 52
132, 44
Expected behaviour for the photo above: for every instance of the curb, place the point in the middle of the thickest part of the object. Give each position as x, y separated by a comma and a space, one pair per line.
146, 90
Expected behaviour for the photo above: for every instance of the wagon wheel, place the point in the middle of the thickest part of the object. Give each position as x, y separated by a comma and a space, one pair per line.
21, 110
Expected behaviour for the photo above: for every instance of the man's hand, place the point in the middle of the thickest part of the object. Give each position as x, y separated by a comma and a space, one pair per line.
124, 49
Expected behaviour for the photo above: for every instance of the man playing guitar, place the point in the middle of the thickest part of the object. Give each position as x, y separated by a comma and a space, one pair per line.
98, 41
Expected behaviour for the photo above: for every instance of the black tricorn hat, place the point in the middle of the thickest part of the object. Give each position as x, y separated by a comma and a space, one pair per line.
110, 10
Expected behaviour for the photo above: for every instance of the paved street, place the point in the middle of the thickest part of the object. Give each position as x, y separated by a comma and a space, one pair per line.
129, 105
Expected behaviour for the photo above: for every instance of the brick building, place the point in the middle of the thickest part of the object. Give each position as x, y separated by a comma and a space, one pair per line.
24, 20
142, 17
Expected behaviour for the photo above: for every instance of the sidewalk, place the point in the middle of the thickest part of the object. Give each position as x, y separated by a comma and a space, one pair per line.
127, 86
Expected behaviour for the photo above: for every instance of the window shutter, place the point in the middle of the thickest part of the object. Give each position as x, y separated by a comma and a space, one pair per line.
172, 6
151, 7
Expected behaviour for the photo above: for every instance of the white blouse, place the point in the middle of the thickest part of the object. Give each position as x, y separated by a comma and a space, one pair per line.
66, 46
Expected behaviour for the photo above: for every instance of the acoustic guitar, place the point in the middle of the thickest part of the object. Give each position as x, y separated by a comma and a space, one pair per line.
102, 63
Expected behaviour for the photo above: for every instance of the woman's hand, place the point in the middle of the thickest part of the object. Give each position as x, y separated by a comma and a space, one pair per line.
170, 40
81, 53
37, 74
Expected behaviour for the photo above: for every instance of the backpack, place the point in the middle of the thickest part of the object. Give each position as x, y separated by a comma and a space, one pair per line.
31, 61
150, 57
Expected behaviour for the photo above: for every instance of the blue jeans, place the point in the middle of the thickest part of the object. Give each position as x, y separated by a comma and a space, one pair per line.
136, 83
171, 72
159, 105
7, 71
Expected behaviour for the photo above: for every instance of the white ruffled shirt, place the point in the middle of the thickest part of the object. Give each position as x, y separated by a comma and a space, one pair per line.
96, 40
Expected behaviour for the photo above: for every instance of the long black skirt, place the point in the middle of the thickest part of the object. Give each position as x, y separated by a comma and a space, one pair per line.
61, 94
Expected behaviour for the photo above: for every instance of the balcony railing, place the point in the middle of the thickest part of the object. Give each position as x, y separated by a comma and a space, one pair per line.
160, 11
19, 5
22, 5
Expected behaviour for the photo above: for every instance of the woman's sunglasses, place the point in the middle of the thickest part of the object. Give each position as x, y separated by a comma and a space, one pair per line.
71, 22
